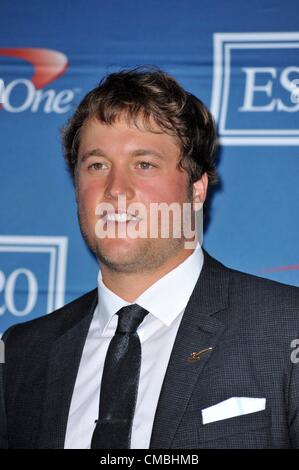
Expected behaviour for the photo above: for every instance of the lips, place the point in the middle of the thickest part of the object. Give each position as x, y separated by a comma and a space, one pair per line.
120, 217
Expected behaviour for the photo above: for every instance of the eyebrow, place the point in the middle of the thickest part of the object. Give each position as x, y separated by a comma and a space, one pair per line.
97, 152
143, 152
92, 153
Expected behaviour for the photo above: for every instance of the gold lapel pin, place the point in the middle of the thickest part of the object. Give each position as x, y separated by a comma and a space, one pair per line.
195, 356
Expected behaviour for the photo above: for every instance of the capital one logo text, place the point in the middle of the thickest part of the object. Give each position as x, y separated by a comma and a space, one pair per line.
23, 94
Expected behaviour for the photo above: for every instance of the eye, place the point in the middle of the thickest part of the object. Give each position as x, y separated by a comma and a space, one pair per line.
97, 166
145, 165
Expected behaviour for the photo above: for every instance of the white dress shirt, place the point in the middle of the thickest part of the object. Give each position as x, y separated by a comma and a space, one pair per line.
165, 300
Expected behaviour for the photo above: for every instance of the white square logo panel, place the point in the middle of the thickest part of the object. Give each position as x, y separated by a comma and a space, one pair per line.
255, 95
32, 276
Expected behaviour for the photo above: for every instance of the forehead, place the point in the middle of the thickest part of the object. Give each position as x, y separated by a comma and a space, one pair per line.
125, 133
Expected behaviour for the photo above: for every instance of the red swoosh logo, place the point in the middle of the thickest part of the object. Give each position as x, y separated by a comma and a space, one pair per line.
291, 267
48, 64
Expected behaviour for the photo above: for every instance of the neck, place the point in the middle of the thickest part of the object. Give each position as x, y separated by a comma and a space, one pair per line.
129, 286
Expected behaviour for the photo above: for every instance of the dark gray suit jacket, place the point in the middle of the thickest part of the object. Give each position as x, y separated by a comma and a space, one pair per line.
249, 322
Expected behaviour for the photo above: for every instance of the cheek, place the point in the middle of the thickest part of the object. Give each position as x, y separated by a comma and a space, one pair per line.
88, 198
166, 190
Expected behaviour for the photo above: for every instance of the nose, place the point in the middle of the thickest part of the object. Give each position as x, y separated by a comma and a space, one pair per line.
119, 184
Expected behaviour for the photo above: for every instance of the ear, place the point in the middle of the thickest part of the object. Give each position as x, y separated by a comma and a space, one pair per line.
200, 188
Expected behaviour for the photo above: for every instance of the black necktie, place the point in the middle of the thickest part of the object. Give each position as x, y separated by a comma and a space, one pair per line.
120, 382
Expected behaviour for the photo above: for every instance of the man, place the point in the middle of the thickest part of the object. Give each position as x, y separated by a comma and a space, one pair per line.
208, 361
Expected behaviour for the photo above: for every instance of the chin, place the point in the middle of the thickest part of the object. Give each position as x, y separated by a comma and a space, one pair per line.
120, 252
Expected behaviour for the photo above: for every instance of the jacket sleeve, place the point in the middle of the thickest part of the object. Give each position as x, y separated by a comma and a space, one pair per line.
3, 428
294, 396
3, 433
3, 419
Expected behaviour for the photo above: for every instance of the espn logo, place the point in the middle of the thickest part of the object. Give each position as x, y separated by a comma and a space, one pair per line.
255, 96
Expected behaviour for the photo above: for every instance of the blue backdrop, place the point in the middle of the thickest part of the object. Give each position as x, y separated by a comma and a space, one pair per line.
240, 58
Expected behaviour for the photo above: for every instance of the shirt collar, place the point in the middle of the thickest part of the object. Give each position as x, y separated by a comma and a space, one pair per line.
180, 282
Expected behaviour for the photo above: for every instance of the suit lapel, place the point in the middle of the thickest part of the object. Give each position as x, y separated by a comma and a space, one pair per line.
198, 331
64, 361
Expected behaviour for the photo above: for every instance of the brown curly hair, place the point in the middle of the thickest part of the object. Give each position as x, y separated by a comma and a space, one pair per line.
155, 96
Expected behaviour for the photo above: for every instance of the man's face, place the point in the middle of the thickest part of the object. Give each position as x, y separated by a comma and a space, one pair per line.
123, 161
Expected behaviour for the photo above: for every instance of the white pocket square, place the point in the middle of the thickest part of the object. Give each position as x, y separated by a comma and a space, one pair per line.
235, 406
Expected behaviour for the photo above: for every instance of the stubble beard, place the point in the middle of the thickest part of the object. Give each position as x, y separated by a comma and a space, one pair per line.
145, 256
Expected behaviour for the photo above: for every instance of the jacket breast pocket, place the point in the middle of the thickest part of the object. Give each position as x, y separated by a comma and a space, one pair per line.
248, 431
230, 427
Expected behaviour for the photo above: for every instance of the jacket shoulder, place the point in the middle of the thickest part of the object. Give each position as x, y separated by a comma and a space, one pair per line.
53, 323
241, 279
258, 300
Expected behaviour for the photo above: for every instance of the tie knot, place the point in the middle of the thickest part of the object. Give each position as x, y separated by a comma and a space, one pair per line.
129, 318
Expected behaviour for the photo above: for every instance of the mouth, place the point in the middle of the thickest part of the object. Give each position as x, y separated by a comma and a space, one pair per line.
120, 217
